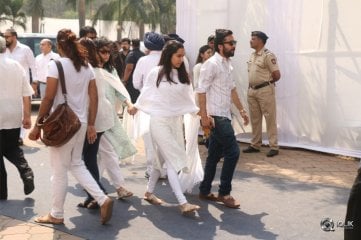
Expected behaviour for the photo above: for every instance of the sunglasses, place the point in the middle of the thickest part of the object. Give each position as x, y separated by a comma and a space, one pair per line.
231, 43
104, 51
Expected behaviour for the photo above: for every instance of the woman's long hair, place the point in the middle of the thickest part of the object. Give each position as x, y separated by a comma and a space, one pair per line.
93, 57
170, 48
71, 48
201, 51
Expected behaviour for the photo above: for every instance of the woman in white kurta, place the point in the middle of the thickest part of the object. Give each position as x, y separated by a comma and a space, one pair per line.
115, 145
167, 95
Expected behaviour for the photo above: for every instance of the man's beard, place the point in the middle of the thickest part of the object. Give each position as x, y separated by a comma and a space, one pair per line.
229, 53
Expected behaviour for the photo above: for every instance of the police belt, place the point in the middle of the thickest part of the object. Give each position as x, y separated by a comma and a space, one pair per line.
261, 85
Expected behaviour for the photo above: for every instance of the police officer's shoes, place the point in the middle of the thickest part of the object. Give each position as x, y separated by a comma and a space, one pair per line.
250, 149
272, 153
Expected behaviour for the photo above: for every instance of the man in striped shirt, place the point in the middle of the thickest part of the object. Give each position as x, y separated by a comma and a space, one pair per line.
216, 92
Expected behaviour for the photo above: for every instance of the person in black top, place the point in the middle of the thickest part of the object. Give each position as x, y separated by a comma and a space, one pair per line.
130, 63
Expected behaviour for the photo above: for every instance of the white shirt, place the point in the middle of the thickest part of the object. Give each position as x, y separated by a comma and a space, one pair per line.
25, 57
168, 99
144, 66
76, 86
14, 86
41, 64
216, 81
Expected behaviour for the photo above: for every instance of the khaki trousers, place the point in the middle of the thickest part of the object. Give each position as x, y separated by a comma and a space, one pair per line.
262, 102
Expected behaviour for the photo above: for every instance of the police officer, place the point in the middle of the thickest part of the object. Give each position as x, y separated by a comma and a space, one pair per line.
263, 72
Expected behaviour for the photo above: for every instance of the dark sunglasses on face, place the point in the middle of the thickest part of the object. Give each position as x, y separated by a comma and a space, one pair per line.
104, 51
231, 43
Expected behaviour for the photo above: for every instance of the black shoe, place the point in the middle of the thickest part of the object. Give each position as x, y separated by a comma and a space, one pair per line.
28, 179
85, 203
21, 142
272, 153
250, 149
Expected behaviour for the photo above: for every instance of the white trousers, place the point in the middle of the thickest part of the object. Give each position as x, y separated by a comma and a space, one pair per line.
108, 160
167, 134
68, 158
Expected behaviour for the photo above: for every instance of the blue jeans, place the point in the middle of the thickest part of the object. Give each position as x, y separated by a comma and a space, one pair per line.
222, 143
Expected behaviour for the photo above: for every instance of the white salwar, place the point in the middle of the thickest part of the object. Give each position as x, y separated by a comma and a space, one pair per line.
166, 105
108, 160
108, 156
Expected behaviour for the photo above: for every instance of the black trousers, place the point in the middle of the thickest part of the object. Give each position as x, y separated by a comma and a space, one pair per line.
9, 148
353, 213
90, 152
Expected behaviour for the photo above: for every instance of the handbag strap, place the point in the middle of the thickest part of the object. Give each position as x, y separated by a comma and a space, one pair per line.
61, 78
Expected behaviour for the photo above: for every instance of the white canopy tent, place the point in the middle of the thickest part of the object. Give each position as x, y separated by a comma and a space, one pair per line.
319, 52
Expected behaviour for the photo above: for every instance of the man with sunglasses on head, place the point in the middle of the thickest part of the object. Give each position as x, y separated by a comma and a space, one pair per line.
216, 93
263, 72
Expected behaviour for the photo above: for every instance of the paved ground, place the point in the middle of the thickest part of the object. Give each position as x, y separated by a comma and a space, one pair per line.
284, 197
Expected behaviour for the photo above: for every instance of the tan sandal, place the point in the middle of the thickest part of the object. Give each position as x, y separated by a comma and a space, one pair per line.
48, 219
123, 193
106, 211
229, 201
152, 199
188, 208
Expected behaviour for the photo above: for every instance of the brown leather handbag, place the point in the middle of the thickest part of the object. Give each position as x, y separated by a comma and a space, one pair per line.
62, 124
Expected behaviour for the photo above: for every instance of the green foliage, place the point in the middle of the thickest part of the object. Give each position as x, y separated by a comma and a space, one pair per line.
70, 14
153, 12
34, 7
11, 12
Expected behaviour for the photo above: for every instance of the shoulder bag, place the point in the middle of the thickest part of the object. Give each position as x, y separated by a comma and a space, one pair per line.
62, 124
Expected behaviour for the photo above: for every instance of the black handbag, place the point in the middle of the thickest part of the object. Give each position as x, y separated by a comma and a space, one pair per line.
62, 124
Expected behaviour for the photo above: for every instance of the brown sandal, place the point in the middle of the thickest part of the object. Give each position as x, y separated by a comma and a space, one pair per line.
48, 219
123, 193
209, 197
229, 201
152, 199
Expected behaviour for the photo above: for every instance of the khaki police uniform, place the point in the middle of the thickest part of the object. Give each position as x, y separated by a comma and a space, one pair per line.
261, 97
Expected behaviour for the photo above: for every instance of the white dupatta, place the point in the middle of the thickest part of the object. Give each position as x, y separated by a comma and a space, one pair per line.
195, 170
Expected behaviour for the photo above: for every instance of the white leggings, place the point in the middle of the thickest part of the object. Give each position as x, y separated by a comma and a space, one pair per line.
172, 179
167, 134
